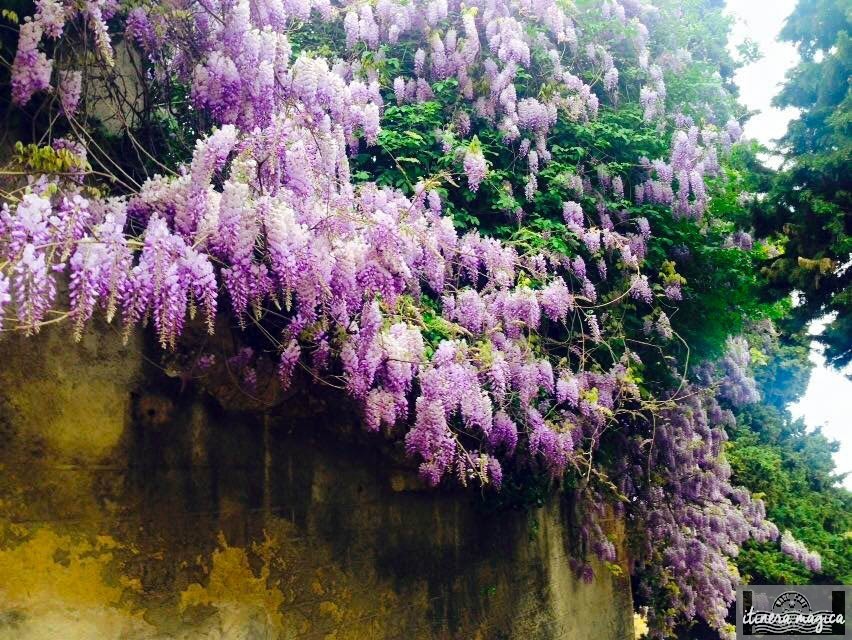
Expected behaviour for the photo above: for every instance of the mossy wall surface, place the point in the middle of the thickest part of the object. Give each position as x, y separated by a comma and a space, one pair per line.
131, 510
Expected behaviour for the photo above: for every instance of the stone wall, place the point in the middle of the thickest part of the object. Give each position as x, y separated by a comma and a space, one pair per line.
131, 510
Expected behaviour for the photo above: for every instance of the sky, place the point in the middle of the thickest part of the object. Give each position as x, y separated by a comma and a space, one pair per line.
827, 403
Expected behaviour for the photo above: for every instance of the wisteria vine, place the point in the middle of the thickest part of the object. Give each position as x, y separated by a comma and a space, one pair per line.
480, 355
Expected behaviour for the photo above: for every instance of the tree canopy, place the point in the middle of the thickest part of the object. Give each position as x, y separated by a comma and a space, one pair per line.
809, 210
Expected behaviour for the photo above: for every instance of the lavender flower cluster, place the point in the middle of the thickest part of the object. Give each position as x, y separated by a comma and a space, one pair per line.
694, 520
680, 182
796, 550
32, 69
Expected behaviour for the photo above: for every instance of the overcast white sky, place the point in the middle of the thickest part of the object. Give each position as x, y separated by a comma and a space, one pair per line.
828, 400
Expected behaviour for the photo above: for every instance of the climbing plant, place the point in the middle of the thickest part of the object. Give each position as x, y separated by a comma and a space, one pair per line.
513, 232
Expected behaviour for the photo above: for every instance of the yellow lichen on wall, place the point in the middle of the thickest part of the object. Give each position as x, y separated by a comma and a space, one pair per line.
296, 591
68, 587
58, 569
78, 404
57, 586
239, 597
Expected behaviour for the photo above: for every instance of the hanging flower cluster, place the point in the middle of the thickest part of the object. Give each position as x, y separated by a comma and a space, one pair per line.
32, 69
279, 231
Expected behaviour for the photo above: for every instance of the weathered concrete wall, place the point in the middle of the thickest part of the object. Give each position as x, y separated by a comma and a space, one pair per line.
128, 512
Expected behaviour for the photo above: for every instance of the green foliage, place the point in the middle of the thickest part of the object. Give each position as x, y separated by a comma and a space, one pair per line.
810, 205
33, 158
793, 471
9, 16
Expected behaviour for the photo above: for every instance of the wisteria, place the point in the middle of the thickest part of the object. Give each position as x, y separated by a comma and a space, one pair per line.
475, 352
799, 552
475, 168
737, 385
32, 69
69, 90
5, 296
